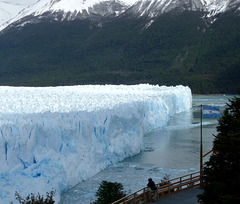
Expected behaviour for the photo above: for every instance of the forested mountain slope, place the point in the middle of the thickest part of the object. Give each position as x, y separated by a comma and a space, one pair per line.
178, 47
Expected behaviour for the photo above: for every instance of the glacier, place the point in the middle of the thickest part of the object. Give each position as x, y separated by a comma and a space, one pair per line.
52, 138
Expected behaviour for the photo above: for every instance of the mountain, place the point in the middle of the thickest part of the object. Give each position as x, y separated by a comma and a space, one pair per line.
66, 42
10, 8
82, 9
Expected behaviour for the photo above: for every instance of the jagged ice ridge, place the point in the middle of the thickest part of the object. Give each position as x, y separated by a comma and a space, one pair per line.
56, 137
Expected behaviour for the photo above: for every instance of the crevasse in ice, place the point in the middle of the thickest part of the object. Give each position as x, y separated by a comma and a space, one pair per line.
56, 137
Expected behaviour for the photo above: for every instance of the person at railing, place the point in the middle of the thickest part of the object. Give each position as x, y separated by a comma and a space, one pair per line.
151, 184
153, 188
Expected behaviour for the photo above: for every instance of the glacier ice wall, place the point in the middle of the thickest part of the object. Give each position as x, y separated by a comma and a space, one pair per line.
56, 137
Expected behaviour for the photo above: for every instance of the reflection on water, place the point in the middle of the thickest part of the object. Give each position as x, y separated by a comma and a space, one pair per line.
172, 150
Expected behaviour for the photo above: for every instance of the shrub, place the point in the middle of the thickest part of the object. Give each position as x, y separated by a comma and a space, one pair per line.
38, 199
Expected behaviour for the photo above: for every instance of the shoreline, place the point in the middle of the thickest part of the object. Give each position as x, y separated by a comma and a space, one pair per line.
214, 94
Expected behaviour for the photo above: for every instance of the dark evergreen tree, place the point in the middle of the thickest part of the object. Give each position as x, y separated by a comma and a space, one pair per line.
108, 192
38, 199
221, 175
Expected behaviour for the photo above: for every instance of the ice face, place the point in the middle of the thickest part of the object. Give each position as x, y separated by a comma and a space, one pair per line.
56, 137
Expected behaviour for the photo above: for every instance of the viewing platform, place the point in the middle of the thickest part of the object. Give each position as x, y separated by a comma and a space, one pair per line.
183, 189
188, 196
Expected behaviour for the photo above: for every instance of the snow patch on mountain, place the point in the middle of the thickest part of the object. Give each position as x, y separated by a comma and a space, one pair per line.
216, 6
72, 9
10, 8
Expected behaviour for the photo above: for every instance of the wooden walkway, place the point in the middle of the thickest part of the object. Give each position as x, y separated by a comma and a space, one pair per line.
164, 189
188, 196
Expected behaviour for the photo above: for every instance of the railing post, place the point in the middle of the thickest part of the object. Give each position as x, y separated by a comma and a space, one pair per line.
145, 196
148, 195
180, 183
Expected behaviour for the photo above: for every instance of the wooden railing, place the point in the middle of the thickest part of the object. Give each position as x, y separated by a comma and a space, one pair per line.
207, 153
165, 188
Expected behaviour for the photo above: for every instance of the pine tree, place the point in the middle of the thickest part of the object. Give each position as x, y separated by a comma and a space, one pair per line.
221, 173
108, 192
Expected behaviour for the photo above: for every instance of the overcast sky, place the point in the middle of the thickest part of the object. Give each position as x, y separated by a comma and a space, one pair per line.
20, 1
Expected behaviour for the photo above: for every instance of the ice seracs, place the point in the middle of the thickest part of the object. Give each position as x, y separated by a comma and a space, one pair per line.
56, 137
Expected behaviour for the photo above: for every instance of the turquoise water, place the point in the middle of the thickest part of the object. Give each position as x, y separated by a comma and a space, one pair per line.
171, 151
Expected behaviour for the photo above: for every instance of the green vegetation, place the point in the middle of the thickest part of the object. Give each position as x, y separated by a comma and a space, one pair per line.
221, 173
38, 199
176, 49
108, 192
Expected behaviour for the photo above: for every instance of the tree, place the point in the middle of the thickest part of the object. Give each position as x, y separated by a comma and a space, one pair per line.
221, 174
38, 199
108, 192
